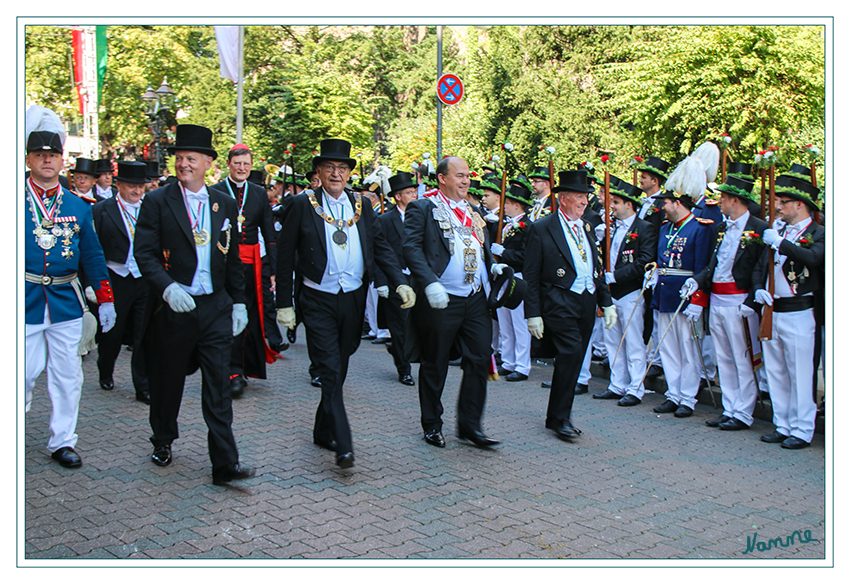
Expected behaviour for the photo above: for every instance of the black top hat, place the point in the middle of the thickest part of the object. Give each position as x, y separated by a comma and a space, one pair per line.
85, 166
799, 171
541, 172
103, 166
195, 139
519, 193
614, 181
491, 182
132, 172
520, 180
256, 177
400, 181
798, 189
740, 169
507, 291
153, 168
44, 140
335, 149
475, 188
654, 165
310, 174
739, 187
573, 180
628, 192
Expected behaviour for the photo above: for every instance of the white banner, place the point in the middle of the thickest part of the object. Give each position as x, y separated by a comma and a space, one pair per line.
227, 38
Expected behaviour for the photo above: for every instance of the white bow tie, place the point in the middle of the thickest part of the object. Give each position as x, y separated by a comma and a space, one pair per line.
458, 205
339, 201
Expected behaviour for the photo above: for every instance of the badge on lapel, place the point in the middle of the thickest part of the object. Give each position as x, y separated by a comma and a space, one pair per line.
561, 273
215, 207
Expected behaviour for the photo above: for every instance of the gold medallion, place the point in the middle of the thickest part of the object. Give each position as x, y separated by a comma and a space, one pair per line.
241, 219
202, 237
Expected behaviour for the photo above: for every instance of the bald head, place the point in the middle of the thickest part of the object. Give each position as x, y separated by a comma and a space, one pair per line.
453, 177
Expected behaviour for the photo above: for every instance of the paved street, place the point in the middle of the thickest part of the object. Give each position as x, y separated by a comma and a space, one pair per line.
636, 485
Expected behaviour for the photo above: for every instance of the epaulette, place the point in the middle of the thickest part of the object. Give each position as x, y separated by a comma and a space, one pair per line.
704, 221
88, 200
711, 201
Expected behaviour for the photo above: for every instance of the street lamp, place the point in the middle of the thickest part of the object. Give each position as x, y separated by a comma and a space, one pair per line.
158, 108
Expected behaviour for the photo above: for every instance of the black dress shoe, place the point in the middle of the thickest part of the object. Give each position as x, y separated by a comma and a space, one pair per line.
290, 335
316, 381
67, 457
502, 371
594, 358
607, 394
162, 455
605, 363
683, 412
237, 386
516, 376
477, 437
366, 337
380, 341
668, 407
794, 443
144, 397
326, 444
106, 383
765, 396
406, 379
345, 460
237, 473
654, 371
566, 431
435, 438
733, 425
279, 347
628, 400
546, 384
773, 438
717, 421
581, 388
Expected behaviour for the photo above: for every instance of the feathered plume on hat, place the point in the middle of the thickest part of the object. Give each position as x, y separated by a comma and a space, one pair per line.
381, 177
42, 119
709, 154
688, 178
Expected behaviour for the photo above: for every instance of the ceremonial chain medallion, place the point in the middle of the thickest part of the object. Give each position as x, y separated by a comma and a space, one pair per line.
449, 225
339, 236
47, 231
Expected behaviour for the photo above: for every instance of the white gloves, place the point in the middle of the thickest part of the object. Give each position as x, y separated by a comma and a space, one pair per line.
609, 278
436, 295
239, 316
497, 249
610, 315
763, 297
650, 279
771, 237
688, 288
90, 296
496, 269
599, 231
491, 218
693, 312
407, 295
106, 312
383, 291
745, 311
177, 298
286, 317
535, 327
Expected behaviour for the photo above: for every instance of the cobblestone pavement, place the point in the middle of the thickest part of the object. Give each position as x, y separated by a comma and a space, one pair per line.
637, 485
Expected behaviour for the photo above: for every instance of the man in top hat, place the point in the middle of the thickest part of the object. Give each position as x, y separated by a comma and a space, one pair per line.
85, 178
799, 246
514, 338
447, 250
313, 177
103, 188
403, 189
744, 171
542, 194
62, 242
338, 243
152, 174
186, 246
728, 277
115, 222
565, 285
633, 245
250, 353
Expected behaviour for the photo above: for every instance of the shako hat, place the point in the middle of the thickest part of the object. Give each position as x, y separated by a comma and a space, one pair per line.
400, 181
737, 186
798, 189
193, 138
335, 149
572, 180
85, 166
132, 172
507, 291
44, 140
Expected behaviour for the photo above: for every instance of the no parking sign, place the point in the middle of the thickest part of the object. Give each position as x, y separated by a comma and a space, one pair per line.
449, 89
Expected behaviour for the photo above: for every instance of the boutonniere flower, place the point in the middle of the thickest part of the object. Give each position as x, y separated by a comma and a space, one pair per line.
750, 238
804, 242
516, 228
633, 235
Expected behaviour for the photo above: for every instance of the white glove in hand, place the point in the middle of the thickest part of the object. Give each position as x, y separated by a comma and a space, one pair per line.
610, 315
496, 269
407, 295
599, 231
491, 218
177, 298
609, 278
745, 311
497, 249
106, 312
90, 295
535, 327
688, 288
763, 297
383, 291
239, 316
693, 312
436, 295
286, 317
771, 236
650, 279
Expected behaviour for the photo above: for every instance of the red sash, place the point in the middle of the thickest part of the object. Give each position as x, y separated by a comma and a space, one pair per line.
250, 254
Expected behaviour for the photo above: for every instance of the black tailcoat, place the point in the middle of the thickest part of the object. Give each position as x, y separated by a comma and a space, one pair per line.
637, 249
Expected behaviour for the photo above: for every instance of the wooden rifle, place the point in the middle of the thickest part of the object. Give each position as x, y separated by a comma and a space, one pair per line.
766, 328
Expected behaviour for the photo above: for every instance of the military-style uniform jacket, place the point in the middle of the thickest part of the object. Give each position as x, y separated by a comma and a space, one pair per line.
708, 209
683, 251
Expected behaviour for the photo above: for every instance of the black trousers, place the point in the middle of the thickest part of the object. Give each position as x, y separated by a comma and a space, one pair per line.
173, 339
396, 320
270, 312
248, 353
570, 333
130, 297
333, 322
299, 318
464, 321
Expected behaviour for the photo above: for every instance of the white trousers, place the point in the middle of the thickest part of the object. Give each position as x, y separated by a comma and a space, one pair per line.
55, 345
514, 339
495, 342
679, 358
734, 363
372, 314
584, 375
789, 361
709, 356
628, 369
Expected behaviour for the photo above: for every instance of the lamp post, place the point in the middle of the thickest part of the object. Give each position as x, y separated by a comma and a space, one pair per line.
158, 104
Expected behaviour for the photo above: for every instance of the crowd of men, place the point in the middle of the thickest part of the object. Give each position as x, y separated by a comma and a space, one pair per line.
450, 265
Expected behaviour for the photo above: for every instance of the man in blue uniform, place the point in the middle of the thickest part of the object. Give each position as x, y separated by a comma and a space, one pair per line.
62, 242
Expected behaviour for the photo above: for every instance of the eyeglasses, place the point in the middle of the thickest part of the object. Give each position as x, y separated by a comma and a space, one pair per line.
332, 168
782, 202
241, 164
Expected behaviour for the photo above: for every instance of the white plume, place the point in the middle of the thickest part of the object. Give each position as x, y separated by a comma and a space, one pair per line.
709, 154
42, 119
688, 178
380, 176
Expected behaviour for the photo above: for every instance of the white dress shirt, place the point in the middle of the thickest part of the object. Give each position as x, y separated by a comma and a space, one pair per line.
621, 227
648, 203
344, 270
105, 193
792, 233
198, 208
453, 278
584, 268
129, 266
726, 258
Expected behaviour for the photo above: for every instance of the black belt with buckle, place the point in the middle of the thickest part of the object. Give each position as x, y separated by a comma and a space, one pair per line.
793, 303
